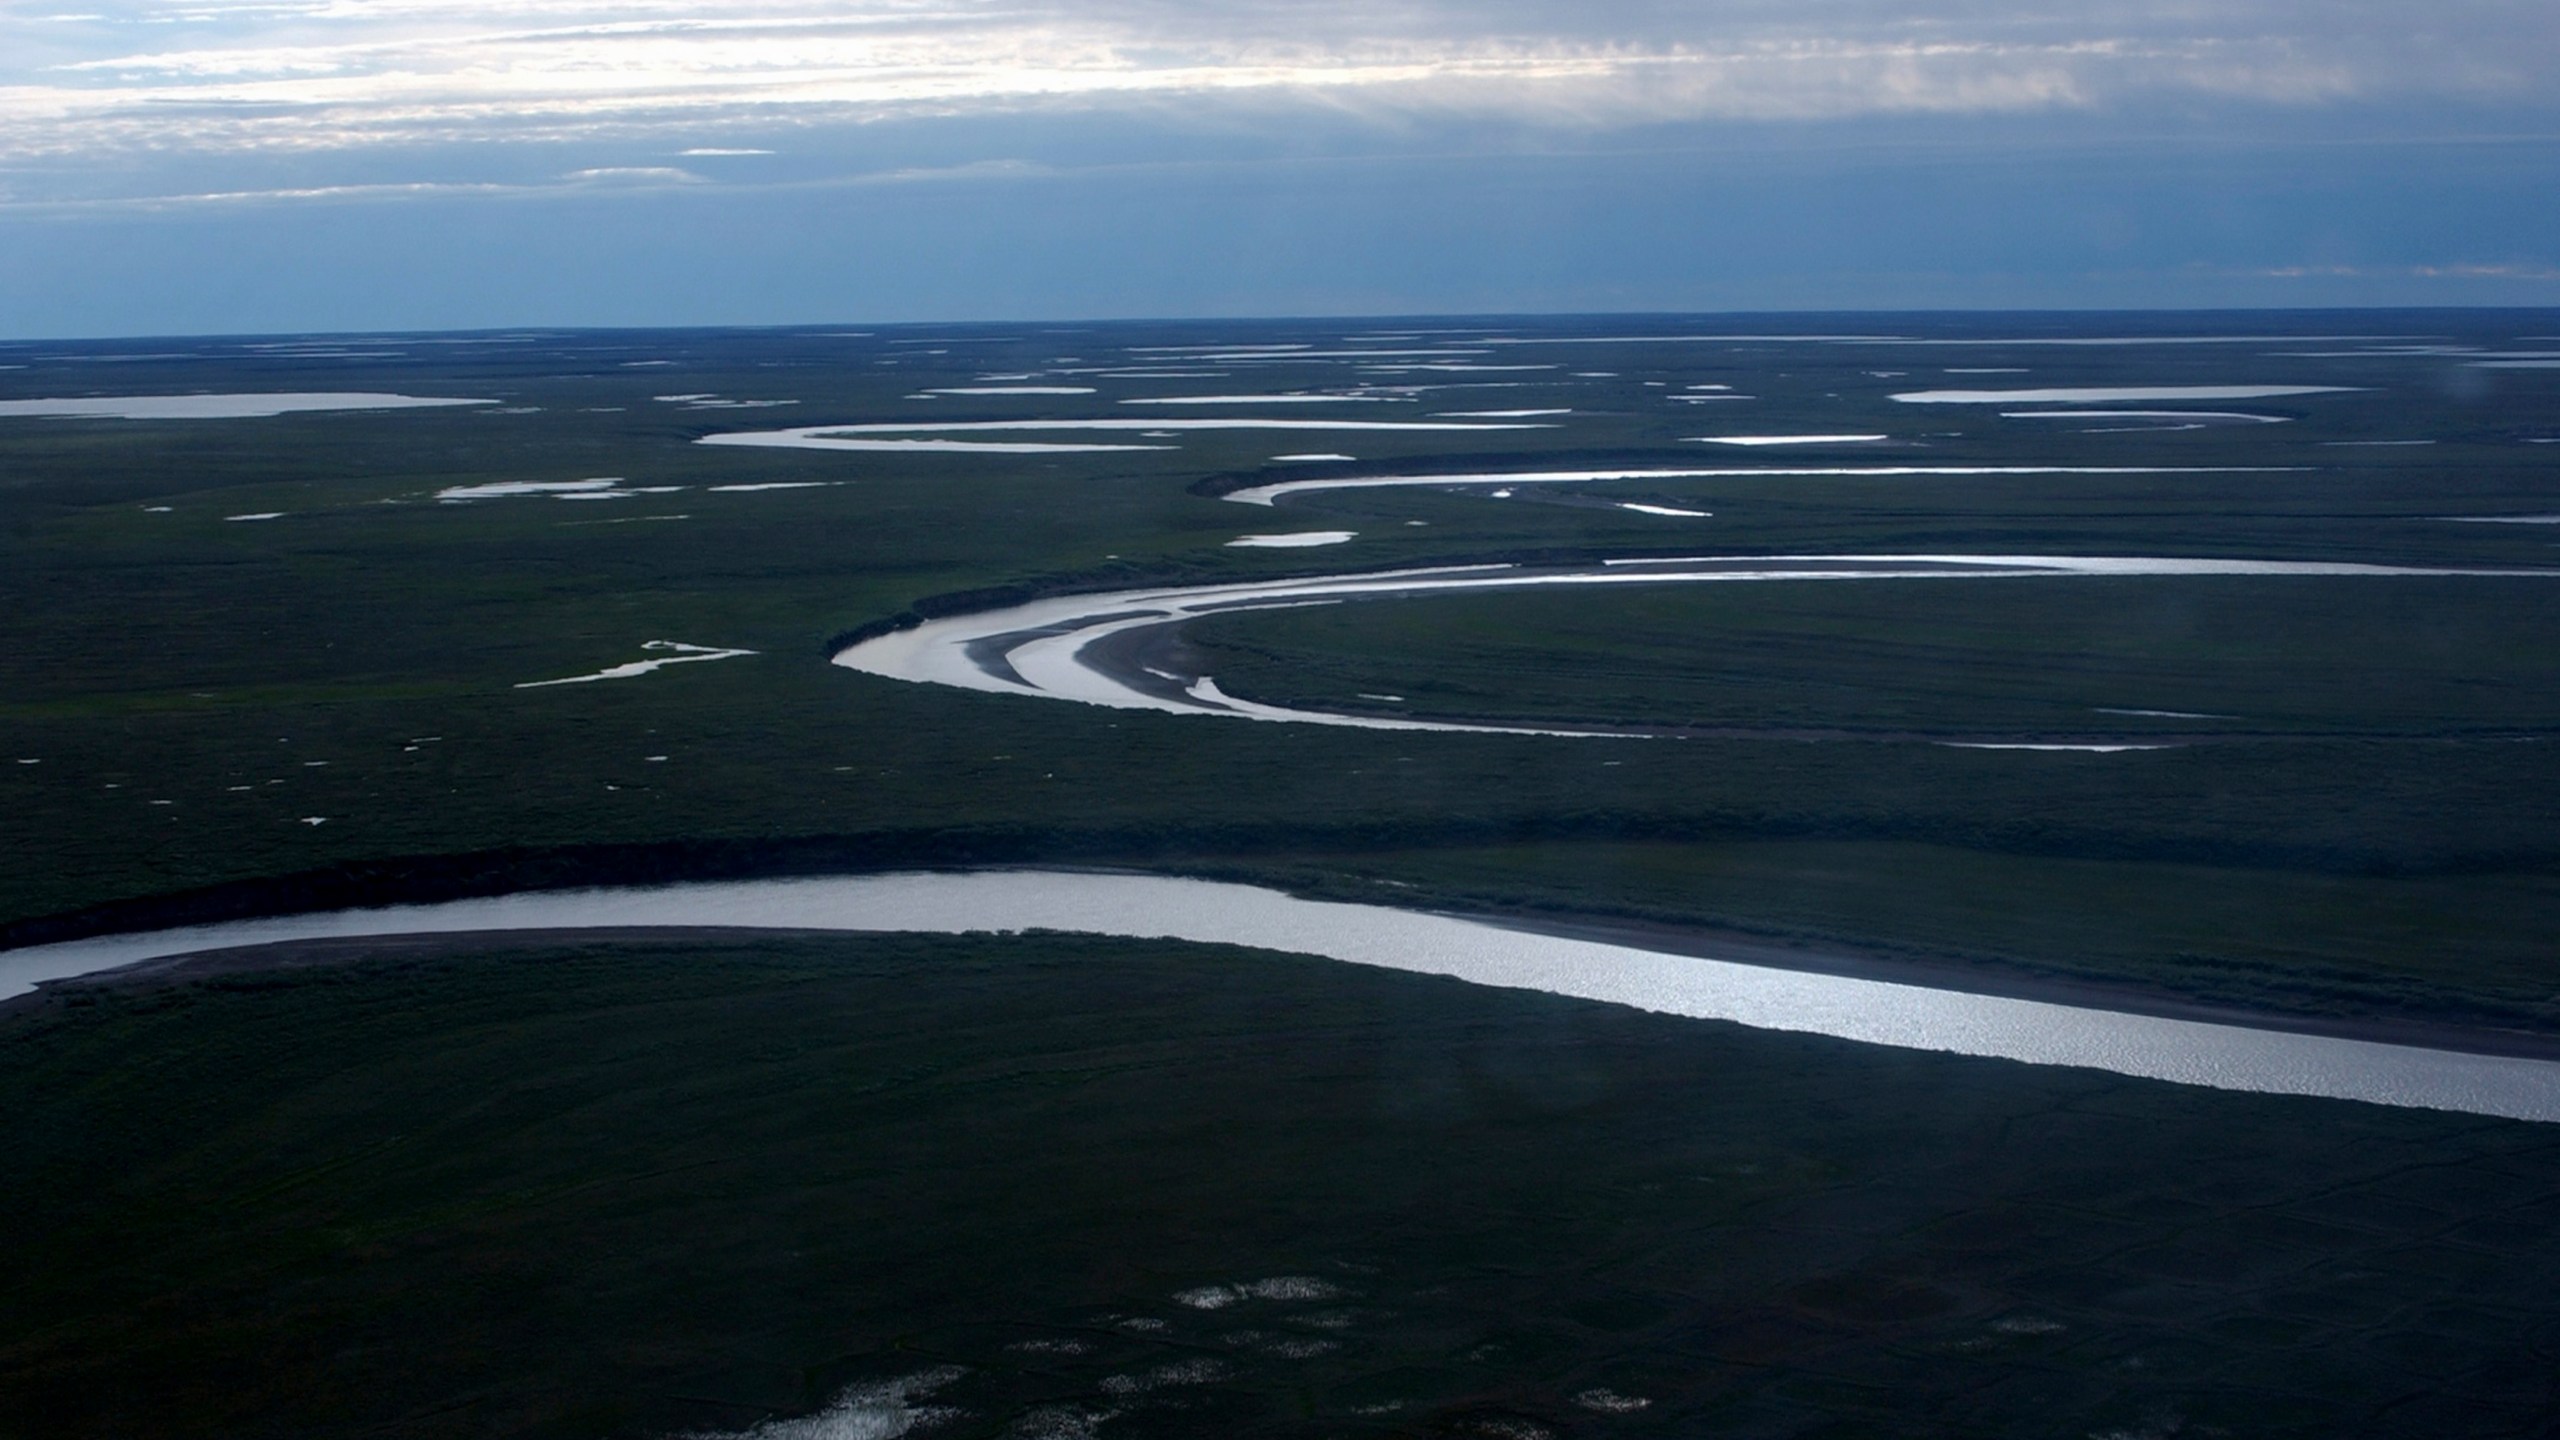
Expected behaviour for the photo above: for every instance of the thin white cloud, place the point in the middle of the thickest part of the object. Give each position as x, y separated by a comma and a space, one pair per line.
635, 178
2450, 270
633, 175
2487, 272
394, 190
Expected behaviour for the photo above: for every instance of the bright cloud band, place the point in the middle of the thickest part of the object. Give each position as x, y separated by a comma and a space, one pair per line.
298, 74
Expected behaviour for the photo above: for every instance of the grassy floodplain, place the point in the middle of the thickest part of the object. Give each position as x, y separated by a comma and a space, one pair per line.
1074, 1186
194, 689
210, 714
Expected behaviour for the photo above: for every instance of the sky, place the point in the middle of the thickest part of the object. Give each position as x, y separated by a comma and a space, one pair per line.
273, 166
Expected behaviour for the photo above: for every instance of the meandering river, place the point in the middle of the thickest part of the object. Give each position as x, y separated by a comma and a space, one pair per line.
1084, 648
2222, 1056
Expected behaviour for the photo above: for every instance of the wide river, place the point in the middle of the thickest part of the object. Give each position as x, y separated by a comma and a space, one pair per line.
2223, 1056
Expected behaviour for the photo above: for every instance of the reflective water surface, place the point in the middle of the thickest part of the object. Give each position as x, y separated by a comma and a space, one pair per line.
2228, 1057
1057, 647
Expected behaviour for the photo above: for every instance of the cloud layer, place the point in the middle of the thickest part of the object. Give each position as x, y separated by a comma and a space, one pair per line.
172, 165
295, 76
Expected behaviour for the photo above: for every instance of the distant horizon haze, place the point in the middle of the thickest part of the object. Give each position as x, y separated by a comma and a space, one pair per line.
1888, 326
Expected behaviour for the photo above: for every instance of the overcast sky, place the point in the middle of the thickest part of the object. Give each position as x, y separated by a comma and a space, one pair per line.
276, 165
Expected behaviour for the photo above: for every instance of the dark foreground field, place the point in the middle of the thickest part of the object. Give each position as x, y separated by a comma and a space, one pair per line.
1019, 1186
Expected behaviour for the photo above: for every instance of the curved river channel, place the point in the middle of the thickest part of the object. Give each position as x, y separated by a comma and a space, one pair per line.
2223, 1056
1098, 649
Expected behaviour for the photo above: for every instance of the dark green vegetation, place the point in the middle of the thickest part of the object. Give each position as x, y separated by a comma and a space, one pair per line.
563, 1189
628, 1189
2443, 659
196, 689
